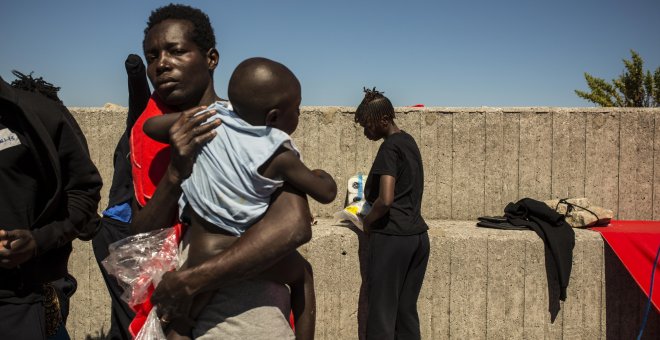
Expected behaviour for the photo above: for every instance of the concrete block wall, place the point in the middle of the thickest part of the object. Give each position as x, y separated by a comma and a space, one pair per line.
484, 284
476, 160
480, 283
479, 159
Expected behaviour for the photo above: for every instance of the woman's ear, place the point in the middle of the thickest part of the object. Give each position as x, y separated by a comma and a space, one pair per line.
384, 123
213, 57
272, 117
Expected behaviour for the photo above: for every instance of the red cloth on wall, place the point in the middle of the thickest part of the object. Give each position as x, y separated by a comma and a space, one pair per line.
636, 244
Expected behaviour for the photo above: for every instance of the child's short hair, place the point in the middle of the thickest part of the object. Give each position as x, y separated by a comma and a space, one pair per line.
202, 34
374, 107
259, 84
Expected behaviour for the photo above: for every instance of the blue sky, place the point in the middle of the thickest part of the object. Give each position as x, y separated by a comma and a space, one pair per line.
438, 53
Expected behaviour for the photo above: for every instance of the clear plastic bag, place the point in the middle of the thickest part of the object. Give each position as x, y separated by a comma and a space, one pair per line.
139, 261
354, 213
152, 329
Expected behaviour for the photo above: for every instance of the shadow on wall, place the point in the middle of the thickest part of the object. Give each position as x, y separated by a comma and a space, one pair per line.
625, 302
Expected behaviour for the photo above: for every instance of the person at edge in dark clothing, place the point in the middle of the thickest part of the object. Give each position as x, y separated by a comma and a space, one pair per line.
50, 192
398, 239
114, 225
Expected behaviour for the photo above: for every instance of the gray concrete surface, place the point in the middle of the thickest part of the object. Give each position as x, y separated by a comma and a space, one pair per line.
480, 283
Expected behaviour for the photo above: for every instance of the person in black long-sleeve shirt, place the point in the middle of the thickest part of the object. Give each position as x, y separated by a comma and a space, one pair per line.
50, 192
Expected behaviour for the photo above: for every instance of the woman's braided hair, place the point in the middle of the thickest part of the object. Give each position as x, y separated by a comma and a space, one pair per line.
38, 85
374, 108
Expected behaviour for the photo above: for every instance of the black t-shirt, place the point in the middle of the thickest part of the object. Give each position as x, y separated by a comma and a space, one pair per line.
399, 157
19, 174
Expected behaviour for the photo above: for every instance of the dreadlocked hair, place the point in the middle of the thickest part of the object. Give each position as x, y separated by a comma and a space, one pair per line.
202, 34
374, 108
38, 85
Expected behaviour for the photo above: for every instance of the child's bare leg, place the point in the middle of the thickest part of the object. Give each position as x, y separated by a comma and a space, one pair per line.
303, 305
295, 271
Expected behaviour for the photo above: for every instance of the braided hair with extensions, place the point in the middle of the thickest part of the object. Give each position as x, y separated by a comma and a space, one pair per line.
374, 108
38, 85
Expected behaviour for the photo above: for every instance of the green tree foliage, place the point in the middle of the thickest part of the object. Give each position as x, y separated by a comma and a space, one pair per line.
633, 88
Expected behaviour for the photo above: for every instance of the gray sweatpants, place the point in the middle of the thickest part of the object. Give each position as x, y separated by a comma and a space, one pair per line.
252, 309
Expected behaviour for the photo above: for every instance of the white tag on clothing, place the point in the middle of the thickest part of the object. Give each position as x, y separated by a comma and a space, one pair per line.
8, 139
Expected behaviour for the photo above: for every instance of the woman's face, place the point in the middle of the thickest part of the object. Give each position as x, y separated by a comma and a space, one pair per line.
373, 131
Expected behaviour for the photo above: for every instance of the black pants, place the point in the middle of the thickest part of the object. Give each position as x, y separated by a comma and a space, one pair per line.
22, 321
121, 315
397, 265
27, 320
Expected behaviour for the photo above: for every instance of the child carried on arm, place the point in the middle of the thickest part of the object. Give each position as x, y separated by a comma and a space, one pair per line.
235, 174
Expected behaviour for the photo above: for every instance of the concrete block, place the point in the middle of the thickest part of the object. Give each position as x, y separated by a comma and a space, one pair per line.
311, 122
329, 140
434, 309
353, 314
506, 274
536, 291
468, 165
350, 140
636, 166
427, 148
535, 155
443, 166
468, 296
494, 166
410, 122
326, 259
592, 276
510, 157
602, 159
568, 154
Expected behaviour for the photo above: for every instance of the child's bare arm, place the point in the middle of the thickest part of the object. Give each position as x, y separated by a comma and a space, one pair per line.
316, 183
158, 127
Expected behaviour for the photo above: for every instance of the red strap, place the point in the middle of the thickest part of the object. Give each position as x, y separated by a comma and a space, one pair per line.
149, 158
